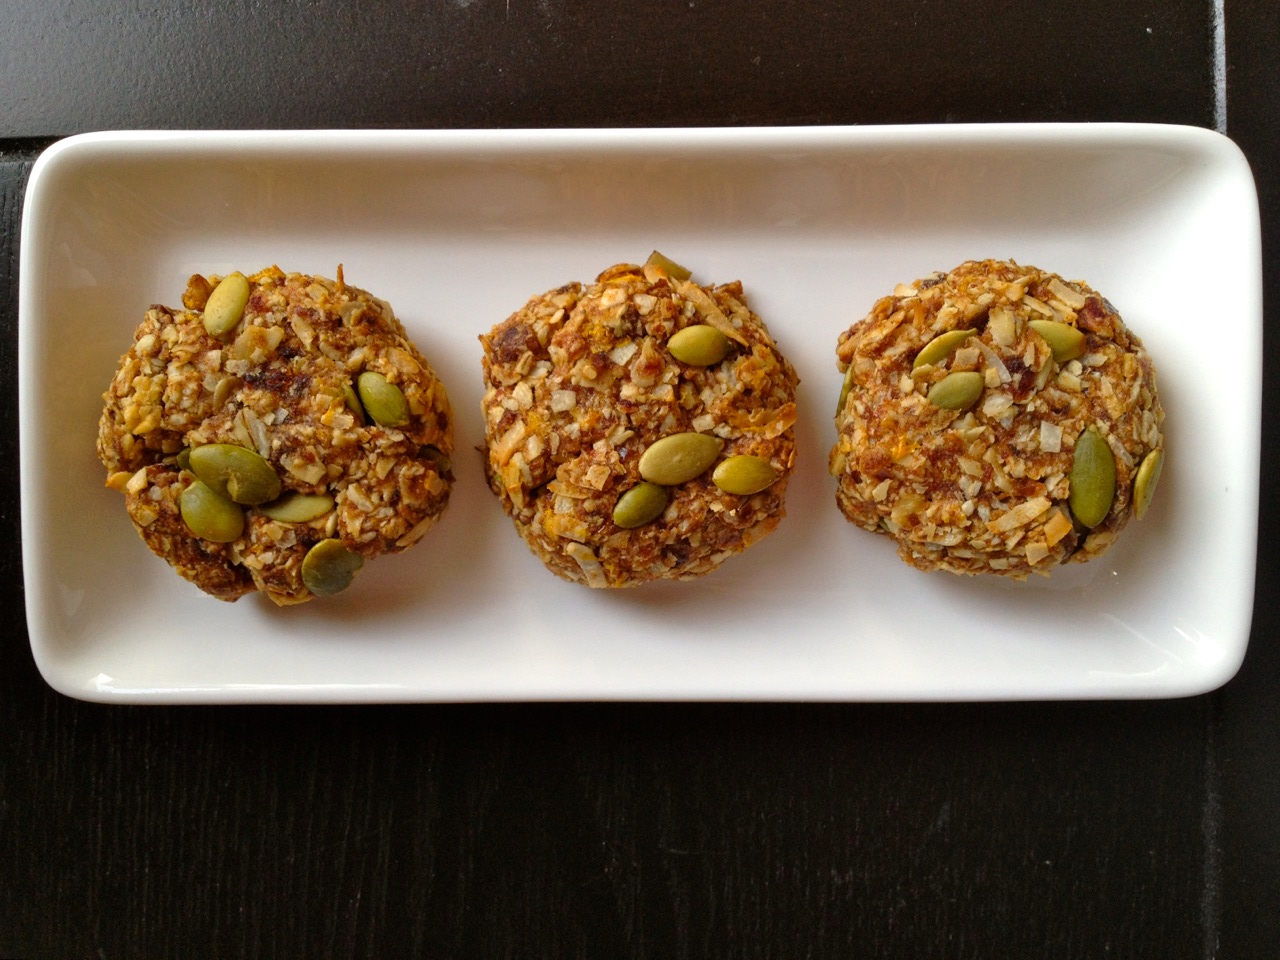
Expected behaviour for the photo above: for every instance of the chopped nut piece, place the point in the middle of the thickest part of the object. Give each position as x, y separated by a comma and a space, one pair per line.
1050, 437
1071, 297
1019, 516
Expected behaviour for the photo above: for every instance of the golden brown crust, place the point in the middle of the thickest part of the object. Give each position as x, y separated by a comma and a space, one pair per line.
985, 490
580, 383
275, 384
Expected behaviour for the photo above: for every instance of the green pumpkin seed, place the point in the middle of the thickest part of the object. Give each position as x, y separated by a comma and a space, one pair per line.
941, 347
298, 507
957, 391
845, 388
236, 473
699, 345
743, 474
1093, 479
353, 403
1064, 340
442, 461
1144, 484
673, 269
209, 516
642, 504
225, 306
183, 459
329, 567
382, 400
679, 457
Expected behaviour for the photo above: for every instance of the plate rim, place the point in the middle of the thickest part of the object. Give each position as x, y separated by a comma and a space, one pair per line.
119, 144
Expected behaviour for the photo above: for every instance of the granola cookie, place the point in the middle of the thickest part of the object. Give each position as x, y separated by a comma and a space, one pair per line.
995, 419
275, 433
639, 428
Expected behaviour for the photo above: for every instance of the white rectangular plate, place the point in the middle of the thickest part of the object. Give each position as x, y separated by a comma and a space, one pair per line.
457, 229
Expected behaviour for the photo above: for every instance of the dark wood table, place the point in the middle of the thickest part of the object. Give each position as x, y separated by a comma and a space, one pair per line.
1086, 830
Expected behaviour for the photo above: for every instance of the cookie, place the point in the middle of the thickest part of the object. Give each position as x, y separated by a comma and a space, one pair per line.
274, 433
638, 428
995, 419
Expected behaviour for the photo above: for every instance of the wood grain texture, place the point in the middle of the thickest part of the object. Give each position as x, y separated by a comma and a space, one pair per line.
658, 831
1247, 719
92, 64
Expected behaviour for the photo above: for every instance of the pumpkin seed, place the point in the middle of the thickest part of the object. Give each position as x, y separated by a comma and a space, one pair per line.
353, 402
679, 457
442, 461
642, 504
941, 347
298, 507
699, 345
673, 269
845, 388
225, 306
236, 473
382, 400
1093, 479
208, 515
957, 391
329, 567
743, 474
1064, 340
1144, 484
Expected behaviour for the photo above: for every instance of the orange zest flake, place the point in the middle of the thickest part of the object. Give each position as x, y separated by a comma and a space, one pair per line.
904, 447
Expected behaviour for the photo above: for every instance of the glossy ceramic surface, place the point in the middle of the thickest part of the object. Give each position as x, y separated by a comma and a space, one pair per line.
457, 229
